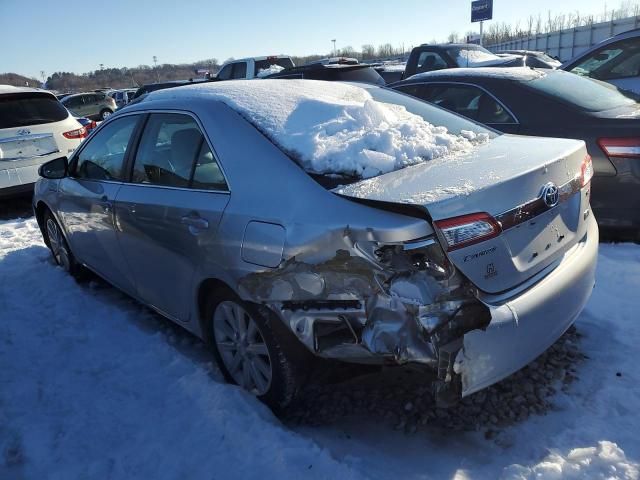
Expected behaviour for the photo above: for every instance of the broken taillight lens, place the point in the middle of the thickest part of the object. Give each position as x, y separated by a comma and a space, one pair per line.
77, 133
586, 173
467, 230
620, 147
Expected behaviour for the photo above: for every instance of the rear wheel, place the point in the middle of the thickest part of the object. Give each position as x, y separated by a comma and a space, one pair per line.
251, 353
60, 249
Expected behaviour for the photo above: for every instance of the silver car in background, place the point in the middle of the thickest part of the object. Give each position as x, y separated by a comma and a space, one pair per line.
471, 266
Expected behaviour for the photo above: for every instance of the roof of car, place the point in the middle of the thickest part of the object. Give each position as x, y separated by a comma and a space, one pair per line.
448, 45
12, 89
511, 73
320, 66
265, 57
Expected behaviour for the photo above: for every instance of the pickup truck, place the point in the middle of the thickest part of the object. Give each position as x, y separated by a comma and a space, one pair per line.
426, 58
254, 67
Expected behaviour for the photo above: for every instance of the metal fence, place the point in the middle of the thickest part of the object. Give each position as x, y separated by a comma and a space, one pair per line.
566, 44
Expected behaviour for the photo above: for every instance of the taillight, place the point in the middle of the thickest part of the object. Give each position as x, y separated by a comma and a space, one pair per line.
586, 171
620, 147
466, 230
92, 125
78, 133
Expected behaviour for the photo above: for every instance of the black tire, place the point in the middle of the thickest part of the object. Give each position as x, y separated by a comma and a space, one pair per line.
57, 243
288, 358
104, 114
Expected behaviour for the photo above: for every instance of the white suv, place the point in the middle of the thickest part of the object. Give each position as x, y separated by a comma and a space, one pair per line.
34, 128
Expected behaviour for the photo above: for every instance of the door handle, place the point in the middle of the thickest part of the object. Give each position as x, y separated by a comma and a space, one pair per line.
195, 222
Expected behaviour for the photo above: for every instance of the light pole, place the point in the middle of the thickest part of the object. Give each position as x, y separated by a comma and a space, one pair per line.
42, 75
155, 64
334, 47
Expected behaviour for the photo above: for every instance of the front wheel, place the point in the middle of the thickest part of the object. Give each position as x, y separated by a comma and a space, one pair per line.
252, 353
104, 114
59, 247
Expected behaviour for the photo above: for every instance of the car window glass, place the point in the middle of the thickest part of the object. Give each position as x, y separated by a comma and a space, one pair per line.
170, 145
207, 174
225, 73
470, 101
620, 57
428, 61
239, 70
103, 155
414, 90
625, 68
22, 109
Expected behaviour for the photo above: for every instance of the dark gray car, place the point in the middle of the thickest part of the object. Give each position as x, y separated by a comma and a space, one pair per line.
550, 103
211, 204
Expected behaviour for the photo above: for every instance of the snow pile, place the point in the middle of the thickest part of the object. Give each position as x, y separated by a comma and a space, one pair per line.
265, 72
394, 67
603, 462
479, 58
334, 127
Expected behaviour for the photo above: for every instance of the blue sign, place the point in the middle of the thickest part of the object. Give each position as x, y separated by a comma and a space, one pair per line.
481, 10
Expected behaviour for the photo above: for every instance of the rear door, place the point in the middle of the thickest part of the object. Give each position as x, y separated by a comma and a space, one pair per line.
86, 200
169, 211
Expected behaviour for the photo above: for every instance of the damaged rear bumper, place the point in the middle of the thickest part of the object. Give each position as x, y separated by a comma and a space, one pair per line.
524, 326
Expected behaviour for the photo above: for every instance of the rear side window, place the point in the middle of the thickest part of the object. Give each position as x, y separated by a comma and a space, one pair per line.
103, 156
469, 101
24, 109
173, 153
428, 61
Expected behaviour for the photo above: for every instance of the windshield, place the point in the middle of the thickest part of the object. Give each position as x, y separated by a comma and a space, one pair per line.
587, 94
23, 109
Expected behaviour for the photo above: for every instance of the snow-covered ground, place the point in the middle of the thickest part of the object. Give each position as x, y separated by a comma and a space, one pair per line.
94, 386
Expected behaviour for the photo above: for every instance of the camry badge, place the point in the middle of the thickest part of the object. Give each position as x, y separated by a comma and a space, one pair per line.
550, 194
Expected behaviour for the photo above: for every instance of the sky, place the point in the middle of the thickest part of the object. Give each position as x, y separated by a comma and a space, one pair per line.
38, 35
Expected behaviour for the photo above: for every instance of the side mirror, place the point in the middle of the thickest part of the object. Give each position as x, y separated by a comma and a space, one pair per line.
54, 169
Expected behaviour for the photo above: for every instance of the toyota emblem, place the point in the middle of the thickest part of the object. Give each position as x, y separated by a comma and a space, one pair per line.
550, 195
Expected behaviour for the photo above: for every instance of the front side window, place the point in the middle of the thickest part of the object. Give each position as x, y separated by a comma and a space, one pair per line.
619, 60
174, 153
469, 101
102, 158
415, 90
428, 61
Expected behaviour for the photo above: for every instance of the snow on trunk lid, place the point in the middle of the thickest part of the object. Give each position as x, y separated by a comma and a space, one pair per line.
500, 179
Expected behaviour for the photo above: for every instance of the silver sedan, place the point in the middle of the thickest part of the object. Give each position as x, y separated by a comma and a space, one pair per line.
279, 220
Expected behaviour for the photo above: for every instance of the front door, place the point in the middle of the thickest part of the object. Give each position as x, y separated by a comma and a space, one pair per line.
167, 216
87, 199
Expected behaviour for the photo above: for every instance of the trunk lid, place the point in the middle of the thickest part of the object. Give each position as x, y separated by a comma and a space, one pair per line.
497, 178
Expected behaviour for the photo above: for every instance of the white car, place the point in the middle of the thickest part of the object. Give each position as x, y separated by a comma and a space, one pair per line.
34, 128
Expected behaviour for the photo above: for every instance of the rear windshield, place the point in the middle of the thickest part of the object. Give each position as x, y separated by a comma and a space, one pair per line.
23, 109
586, 94
363, 75
284, 62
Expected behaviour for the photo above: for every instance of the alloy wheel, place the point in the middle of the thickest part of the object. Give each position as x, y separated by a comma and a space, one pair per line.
242, 347
58, 245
